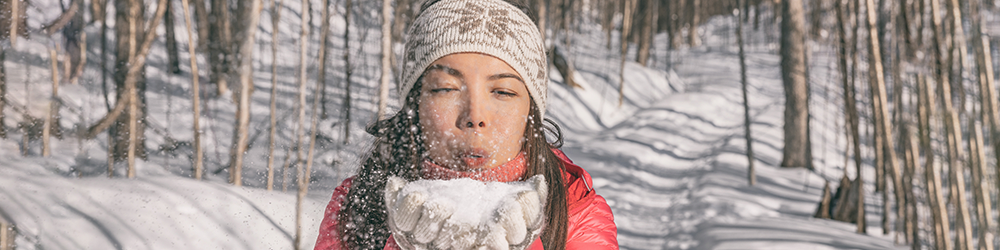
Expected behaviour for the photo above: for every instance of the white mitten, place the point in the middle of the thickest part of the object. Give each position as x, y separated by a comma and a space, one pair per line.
446, 214
518, 220
413, 220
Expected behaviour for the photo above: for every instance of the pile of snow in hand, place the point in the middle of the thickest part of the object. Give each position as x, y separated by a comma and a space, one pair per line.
465, 213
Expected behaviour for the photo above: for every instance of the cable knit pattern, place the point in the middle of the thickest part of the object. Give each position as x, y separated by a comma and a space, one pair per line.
491, 27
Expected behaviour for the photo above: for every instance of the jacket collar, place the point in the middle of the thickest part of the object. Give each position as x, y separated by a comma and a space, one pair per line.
510, 171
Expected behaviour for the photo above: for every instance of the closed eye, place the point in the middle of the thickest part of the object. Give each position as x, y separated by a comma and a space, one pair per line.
443, 90
505, 93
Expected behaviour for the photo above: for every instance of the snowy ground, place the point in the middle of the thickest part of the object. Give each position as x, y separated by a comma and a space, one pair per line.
670, 160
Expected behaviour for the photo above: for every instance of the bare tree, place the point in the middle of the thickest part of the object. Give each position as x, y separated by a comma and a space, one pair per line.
347, 71
3, 92
882, 116
647, 30
977, 160
953, 134
629, 7
939, 213
195, 94
797, 151
751, 174
50, 117
173, 57
543, 16
987, 87
850, 108
324, 48
383, 93
694, 9
201, 19
249, 15
131, 59
275, 17
219, 43
301, 107
303, 182
16, 25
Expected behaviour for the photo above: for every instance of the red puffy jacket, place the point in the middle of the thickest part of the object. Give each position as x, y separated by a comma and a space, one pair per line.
591, 224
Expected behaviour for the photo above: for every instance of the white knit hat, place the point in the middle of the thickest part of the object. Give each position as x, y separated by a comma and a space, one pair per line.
491, 27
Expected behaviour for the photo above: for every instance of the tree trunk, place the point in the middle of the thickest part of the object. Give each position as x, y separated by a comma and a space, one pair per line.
645, 38
542, 18
977, 160
751, 174
53, 108
850, 107
904, 25
882, 116
987, 88
323, 52
195, 94
3, 92
300, 127
939, 212
275, 18
302, 183
75, 40
694, 9
797, 150
674, 23
130, 62
347, 71
952, 126
958, 42
629, 7
911, 150
249, 14
173, 58
219, 44
204, 26
383, 93
15, 22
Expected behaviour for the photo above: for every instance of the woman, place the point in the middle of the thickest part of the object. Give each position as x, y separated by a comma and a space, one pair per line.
473, 86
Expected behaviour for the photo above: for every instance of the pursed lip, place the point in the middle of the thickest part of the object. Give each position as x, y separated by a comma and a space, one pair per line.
474, 158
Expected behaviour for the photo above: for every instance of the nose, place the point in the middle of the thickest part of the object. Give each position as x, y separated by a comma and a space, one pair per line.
474, 112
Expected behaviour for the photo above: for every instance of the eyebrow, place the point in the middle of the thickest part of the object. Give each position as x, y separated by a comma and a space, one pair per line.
446, 69
456, 73
505, 75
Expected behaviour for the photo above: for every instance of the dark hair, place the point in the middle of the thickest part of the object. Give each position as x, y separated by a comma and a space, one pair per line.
399, 150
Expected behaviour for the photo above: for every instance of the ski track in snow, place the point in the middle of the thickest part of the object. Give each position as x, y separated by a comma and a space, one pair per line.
670, 160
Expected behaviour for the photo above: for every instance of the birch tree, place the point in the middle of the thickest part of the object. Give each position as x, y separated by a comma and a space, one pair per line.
50, 116
879, 98
987, 87
249, 14
629, 7
275, 18
302, 181
195, 95
939, 213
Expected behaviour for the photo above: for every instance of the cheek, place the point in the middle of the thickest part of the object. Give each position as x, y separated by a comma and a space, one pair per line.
511, 126
437, 121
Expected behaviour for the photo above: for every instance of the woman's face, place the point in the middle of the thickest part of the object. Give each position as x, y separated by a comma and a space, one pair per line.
473, 111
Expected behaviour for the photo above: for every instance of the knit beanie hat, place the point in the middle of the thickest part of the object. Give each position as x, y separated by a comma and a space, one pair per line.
491, 27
